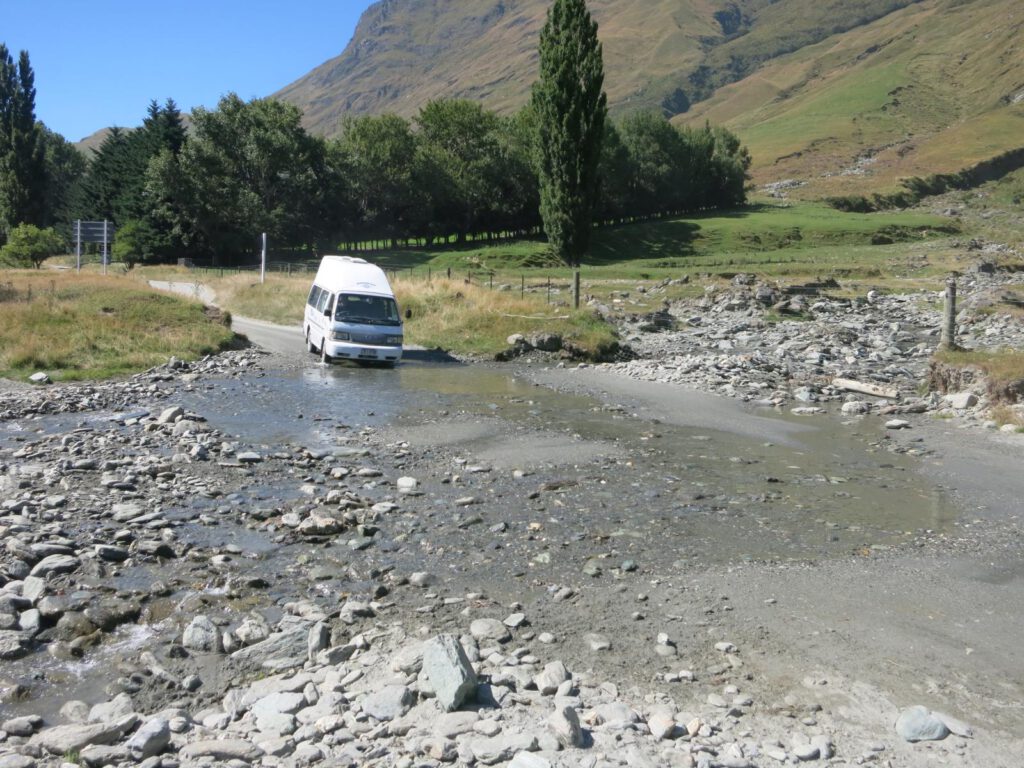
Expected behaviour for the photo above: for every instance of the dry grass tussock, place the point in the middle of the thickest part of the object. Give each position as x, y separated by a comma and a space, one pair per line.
474, 319
89, 326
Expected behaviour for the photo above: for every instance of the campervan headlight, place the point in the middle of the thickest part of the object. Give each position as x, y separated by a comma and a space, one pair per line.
394, 339
339, 336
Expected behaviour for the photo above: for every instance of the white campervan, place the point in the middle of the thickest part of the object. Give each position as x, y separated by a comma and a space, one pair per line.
351, 313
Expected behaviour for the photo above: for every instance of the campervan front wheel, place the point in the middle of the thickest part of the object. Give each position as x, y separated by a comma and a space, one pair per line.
324, 357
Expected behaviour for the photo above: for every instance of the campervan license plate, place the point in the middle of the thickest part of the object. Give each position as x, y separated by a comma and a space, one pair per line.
370, 353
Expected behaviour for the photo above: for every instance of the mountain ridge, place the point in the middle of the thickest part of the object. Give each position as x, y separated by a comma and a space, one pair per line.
798, 80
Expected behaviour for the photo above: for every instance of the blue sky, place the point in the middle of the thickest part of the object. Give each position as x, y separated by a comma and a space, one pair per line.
100, 62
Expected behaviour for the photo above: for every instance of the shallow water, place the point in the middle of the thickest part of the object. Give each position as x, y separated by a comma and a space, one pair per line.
825, 488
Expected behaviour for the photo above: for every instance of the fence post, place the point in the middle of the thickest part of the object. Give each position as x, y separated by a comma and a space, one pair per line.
549, 290
522, 286
490, 282
948, 338
449, 273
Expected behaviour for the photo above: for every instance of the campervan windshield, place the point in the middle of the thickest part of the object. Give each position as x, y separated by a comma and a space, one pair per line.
372, 310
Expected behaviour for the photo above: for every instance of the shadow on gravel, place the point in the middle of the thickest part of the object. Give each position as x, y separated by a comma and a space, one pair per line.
428, 356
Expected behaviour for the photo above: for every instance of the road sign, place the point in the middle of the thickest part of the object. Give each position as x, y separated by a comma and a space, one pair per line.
94, 231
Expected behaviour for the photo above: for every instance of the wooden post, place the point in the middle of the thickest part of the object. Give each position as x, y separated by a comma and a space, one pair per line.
948, 338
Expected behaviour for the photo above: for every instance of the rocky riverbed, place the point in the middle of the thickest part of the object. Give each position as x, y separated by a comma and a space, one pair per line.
802, 349
390, 594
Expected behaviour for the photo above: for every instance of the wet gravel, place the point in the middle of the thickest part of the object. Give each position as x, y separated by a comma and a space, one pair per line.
185, 582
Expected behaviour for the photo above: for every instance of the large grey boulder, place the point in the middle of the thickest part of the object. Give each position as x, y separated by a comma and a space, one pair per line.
451, 676
919, 724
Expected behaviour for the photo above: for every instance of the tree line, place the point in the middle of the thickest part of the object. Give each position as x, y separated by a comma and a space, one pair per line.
208, 185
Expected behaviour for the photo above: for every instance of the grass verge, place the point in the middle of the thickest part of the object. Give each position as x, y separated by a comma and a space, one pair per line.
1000, 366
92, 327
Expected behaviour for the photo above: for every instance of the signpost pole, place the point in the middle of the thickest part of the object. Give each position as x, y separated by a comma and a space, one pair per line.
263, 260
104, 246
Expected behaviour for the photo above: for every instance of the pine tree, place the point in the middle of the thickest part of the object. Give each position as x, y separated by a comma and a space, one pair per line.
571, 108
22, 146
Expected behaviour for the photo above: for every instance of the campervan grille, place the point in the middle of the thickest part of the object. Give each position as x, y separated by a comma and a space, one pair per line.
369, 338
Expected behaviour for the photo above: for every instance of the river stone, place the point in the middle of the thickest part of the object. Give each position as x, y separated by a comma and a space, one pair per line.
284, 702
102, 755
222, 749
389, 703
661, 723
61, 739
489, 629
564, 722
962, 400
53, 564
448, 670
111, 553
554, 675
33, 588
17, 761
10, 644
320, 525
108, 711
73, 624
126, 511
201, 635
170, 415
501, 748
529, 760
151, 739
112, 612
919, 724
22, 726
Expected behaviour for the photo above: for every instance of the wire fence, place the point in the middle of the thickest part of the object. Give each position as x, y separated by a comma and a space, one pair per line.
481, 278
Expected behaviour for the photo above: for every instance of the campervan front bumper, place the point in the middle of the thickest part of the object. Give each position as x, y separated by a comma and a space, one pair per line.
369, 352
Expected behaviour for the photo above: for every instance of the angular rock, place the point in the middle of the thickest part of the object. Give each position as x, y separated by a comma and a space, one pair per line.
389, 703
564, 722
151, 739
448, 670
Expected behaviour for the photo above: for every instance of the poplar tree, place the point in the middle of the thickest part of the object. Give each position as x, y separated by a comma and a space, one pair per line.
571, 107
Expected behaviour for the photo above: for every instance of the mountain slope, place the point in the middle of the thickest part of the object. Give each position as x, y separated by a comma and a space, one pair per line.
933, 88
847, 96
406, 52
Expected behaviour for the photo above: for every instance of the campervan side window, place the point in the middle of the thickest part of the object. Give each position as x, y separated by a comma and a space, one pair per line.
324, 300
314, 296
